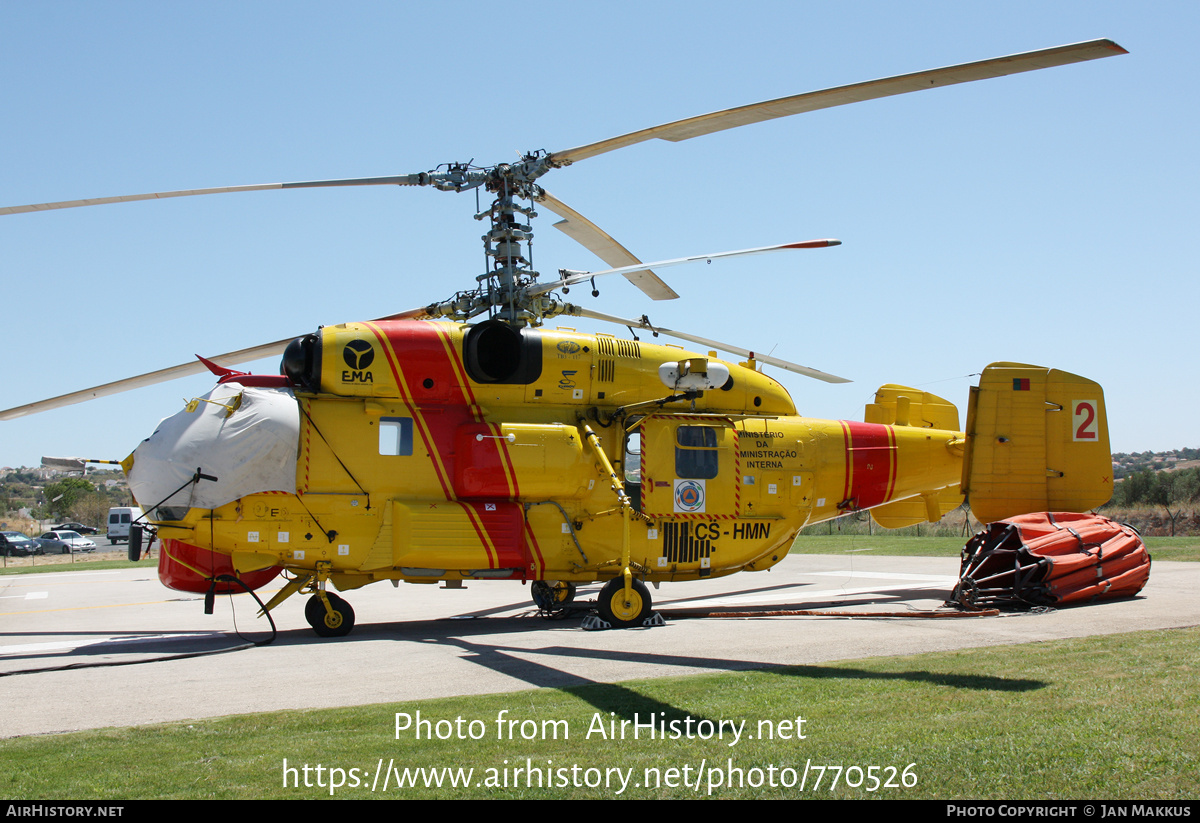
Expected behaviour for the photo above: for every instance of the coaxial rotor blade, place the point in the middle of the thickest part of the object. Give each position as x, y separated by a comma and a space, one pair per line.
600, 243
73, 464
580, 277
402, 180
786, 365
148, 379
842, 95
232, 358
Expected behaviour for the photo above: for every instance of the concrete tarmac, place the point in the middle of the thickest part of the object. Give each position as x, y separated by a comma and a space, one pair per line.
93, 649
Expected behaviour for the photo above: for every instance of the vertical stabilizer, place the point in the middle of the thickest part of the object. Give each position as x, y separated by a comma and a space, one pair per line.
1037, 440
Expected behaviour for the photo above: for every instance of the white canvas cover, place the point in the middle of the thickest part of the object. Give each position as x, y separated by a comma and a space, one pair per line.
252, 450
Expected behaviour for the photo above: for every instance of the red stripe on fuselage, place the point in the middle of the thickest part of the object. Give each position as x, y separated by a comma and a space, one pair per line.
433, 375
891, 489
495, 450
849, 463
503, 524
427, 437
870, 463
534, 567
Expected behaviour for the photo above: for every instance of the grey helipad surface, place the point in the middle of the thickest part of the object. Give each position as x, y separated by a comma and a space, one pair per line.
63, 632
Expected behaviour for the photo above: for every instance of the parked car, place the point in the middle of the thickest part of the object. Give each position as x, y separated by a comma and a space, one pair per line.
76, 527
66, 542
15, 544
47, 546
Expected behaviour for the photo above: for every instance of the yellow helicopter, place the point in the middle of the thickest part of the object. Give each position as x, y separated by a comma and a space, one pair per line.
464, 441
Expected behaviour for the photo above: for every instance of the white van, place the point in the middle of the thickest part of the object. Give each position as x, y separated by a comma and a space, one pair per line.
120, 518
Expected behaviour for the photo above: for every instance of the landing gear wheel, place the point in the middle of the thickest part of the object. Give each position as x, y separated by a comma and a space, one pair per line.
551, 595
337, 624
618, 611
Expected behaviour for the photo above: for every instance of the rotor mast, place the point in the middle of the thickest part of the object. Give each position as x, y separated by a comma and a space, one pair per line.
509, 243
504, 289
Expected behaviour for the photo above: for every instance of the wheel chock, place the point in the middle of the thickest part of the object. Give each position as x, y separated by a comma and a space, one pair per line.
595, 623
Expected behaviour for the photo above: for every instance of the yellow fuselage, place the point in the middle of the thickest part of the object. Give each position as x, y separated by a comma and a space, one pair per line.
422, 472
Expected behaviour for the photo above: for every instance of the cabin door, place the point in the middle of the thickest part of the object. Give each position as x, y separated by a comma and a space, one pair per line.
690, 467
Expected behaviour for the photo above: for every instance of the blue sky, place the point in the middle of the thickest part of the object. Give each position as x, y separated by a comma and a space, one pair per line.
1041, 218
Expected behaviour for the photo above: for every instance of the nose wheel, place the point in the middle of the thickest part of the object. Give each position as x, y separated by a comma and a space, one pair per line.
335, 621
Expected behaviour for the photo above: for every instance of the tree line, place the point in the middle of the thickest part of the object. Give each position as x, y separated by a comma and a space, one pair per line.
1153, 488
71, 498
1172, 491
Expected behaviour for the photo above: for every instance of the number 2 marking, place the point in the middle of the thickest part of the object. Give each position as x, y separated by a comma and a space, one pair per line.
1084, 420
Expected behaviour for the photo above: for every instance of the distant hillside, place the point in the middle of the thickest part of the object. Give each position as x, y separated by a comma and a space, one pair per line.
1127, 464
1158, 492
44, 494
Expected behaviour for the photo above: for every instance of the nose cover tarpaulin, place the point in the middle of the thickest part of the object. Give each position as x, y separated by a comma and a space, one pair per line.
246, 437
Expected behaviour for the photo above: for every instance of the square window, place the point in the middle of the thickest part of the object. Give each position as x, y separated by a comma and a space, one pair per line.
395, 436
696, 452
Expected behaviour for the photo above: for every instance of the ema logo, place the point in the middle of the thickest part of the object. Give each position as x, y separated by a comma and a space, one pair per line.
358, 354
689, 496
568, 347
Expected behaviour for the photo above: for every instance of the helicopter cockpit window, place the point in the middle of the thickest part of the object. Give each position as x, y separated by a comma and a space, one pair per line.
632, 468
696, 452
633, 457
395, 436
167, 513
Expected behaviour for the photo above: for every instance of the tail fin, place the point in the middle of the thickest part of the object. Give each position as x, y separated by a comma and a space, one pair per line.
1037, 440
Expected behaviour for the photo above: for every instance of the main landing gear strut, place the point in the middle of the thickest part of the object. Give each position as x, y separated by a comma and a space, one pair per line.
622, 609
618, 608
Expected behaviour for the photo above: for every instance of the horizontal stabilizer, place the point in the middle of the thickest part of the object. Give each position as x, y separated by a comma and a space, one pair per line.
926, 508
904, 406
897, 405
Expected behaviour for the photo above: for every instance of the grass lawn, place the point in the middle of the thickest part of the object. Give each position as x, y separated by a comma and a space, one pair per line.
51, 564
1161, 548
1114, 717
